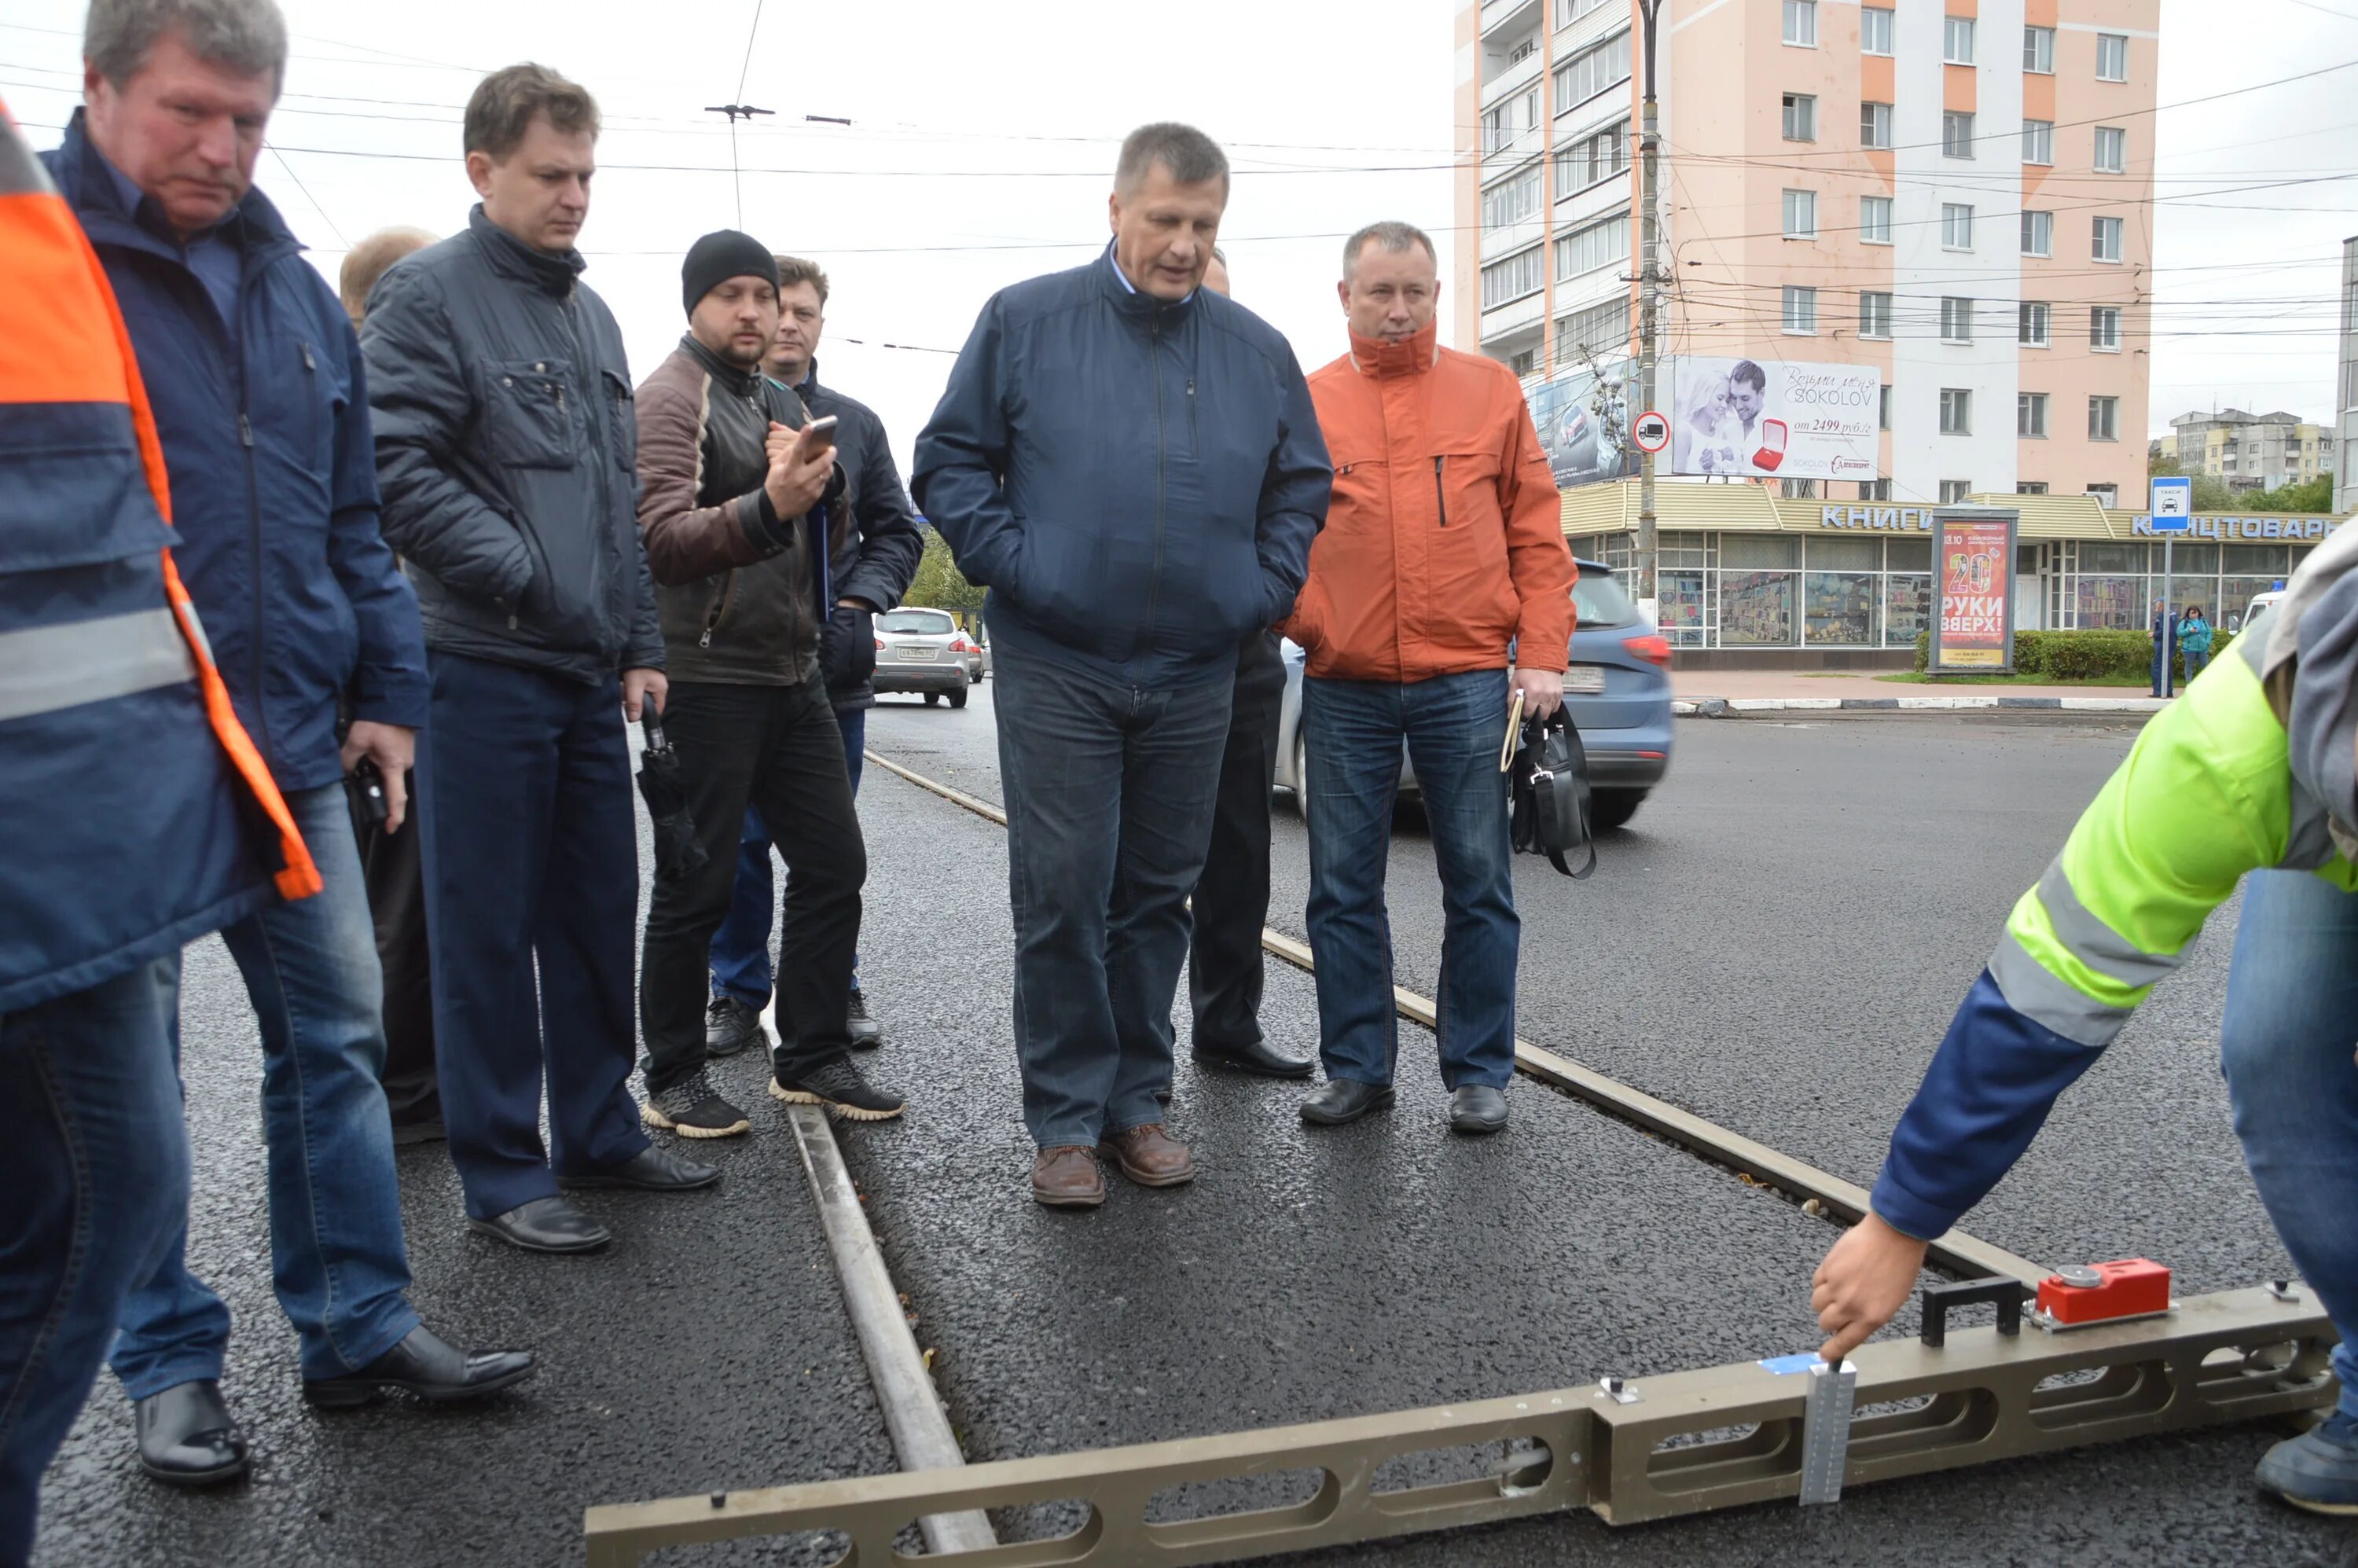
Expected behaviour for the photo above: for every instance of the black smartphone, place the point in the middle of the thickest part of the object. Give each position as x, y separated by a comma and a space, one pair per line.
367, 787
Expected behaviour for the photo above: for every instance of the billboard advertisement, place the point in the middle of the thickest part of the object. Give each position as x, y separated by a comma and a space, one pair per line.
1972, 559
1775, 418
1586, 436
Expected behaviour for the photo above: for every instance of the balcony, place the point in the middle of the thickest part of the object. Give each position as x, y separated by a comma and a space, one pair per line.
1503, 239
1511, 79
1500, 15
1513, 151
1512, 317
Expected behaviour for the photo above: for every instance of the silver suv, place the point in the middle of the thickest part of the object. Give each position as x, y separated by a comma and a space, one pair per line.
921, 651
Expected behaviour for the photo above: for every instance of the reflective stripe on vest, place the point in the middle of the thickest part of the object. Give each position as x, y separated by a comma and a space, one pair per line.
48, 667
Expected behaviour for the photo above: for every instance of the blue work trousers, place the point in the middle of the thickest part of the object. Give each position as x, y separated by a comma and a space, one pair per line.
336, 1253
741, 948
2287, 1049
1454, 727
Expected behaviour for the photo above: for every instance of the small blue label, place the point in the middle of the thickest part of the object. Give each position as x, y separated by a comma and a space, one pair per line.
1781, 1365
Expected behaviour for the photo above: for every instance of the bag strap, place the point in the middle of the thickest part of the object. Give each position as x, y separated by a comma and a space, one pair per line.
1556, 858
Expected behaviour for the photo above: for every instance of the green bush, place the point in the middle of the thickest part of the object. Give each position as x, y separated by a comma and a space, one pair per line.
2081, 656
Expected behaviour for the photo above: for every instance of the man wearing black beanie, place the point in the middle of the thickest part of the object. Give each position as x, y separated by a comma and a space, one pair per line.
734, 486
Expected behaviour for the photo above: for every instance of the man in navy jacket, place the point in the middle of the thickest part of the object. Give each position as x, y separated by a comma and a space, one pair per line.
1132, 465
257, 384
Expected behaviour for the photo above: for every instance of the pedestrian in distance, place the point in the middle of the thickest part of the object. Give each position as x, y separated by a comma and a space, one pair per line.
1443, 561
736, 487
2163, 630
174, 829
260, 404
2194, 640
1225, 964
1130, 466
2254, 770
505, 445
875, 545
390, 862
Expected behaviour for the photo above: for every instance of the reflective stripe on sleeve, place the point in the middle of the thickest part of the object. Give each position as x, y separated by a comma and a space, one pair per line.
2091, 941
2030, 990
45, 668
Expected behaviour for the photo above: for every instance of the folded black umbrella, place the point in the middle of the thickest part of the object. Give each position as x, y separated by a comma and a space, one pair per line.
677, 851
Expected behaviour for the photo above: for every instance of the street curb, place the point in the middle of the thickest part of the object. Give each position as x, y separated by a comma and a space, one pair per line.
1728, 707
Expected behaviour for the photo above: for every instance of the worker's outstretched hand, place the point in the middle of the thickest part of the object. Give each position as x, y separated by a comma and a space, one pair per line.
1867, 1277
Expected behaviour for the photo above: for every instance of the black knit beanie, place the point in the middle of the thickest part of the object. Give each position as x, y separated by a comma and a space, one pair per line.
719, 257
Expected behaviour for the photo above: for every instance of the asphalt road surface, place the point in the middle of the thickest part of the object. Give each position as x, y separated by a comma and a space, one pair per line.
1775, 943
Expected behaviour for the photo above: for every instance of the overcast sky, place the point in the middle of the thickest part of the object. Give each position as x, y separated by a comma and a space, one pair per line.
982, 138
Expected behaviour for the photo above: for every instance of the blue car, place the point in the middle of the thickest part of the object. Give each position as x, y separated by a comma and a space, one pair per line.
1616, 690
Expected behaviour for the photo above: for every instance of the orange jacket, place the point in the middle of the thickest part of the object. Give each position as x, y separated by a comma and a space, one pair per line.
1444, 539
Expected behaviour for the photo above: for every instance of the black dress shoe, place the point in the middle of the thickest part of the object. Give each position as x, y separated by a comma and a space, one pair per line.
1339, 1100
424, 1365
650, 1170
1476, 1108
545, 1225
1257, 1057
187, 1436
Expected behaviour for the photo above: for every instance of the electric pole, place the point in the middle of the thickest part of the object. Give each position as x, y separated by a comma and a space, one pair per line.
1649, 318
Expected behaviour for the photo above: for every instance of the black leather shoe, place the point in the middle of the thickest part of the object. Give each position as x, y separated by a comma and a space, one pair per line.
424, 1365
1258, 1057
545, 1225
650, 1170
1339, 1100
729, 1026
1476, 1108
187, 1436
866, 1032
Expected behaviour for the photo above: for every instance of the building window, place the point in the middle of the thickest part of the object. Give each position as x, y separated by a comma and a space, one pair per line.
2039, 50
1591, 71
1874, 314
2108, 495
1567, 12
1883, 407
2112, 57
2038, 233
1801, 117
1956, 319
2104, 418
1956, 135
1800, 308
1956, 226
2030, 486
1522, 51
1512, 199
2030, 327
1800, 214
1513, 277
1798, 489
1875, 124
1953, 490
1956, 411
1875, 220
1503, 124
2112, 151
1802, 22
1602, 330
1524, 361
1875, 30
2038, 141
1957, 40
1602, 243
1875, 489
2104, 329
2029, 416
1592, 160
2108, 239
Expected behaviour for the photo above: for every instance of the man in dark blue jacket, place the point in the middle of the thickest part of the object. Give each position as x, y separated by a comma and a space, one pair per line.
261, 406
1132, 465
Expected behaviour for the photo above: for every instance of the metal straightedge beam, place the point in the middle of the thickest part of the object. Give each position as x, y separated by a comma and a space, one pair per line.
1684, 1444
1956, 1251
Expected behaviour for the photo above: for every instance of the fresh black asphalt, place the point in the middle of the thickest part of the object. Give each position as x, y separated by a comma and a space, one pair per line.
1775, 943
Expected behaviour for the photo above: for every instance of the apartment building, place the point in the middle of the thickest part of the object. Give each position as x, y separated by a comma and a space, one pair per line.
2251, 452
1954, 192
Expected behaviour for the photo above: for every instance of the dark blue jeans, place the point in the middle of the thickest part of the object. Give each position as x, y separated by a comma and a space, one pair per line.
532, 874
1454, 726
1109, 794
741, 948
96, 1170
2286, 1047
336, 1253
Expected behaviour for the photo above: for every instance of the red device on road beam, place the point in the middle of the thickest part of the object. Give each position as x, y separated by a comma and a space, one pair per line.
2089, 1293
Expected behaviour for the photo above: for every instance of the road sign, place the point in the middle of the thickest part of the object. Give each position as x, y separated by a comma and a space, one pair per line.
1651, 431
2173, 505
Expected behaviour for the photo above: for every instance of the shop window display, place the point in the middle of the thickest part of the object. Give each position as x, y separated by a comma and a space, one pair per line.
1906, 608
1682, 606
1839, 607
2111, 604
1756, 608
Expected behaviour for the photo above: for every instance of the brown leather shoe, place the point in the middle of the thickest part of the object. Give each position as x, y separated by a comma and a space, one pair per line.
1150, 1156
1067, 1177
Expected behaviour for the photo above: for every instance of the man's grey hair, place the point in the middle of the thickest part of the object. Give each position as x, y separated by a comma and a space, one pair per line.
1392, 235
248, 37
1193, 158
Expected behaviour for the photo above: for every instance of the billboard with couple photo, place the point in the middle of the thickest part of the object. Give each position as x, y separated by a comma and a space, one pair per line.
1778, 417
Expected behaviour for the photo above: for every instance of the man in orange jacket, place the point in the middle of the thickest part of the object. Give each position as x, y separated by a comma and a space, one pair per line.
1443, 549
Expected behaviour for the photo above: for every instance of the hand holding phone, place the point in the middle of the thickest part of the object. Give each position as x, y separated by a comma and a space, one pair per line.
800, 464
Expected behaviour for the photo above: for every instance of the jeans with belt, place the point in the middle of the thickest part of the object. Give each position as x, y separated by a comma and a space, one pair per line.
1454, 727
336, 1252
2286, 1047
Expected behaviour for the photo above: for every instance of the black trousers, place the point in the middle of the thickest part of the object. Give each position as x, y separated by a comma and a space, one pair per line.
394, 869
1224, 966
778, 750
